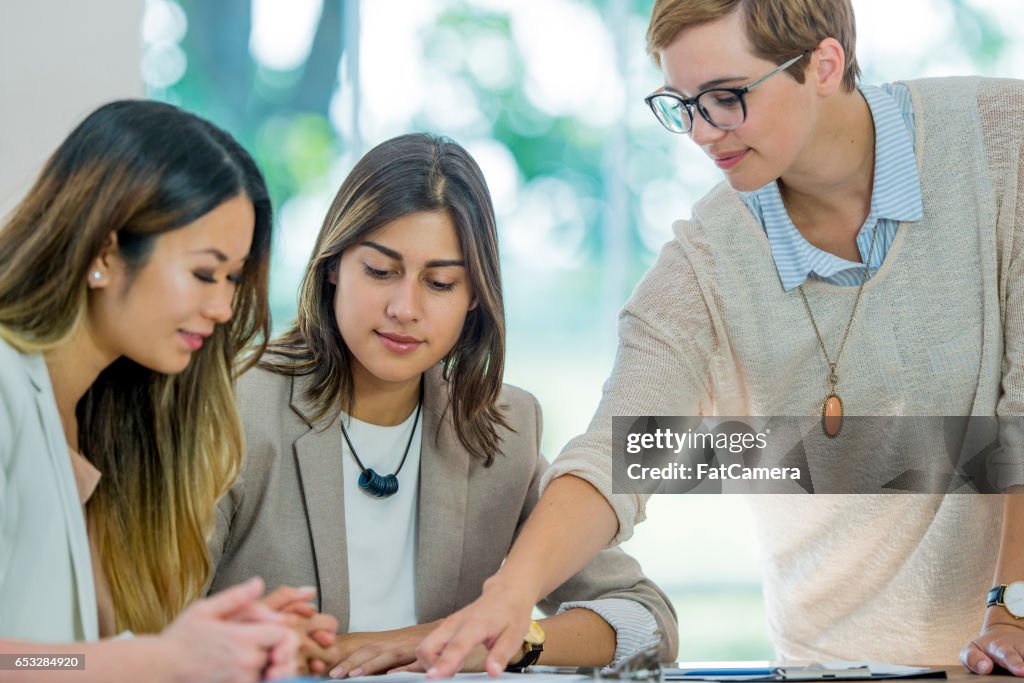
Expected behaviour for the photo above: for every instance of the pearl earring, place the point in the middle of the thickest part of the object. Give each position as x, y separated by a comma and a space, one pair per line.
97, 275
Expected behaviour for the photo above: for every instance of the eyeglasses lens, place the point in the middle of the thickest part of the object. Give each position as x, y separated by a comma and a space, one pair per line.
721, 108
672, 113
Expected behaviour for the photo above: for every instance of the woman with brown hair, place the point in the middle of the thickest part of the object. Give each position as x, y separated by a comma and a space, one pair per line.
132, 276
386, 462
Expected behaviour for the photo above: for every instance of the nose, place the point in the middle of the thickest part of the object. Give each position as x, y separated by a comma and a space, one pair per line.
218, 307
703, 133
404, 301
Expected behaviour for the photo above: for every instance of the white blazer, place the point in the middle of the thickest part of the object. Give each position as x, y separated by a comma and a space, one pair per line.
46, 583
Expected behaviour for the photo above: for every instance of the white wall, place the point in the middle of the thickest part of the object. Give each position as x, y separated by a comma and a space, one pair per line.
59, 59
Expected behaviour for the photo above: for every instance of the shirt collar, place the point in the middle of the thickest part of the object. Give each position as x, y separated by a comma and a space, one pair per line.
896, 192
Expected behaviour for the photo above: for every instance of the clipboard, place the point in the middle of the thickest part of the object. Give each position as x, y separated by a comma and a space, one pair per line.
830, 671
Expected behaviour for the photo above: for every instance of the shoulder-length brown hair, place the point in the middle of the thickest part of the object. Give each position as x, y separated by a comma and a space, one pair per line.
405, 175
168, 446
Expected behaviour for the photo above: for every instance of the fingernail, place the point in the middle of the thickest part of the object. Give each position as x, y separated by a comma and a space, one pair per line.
432, 672
336, 673
355, 672
307, 589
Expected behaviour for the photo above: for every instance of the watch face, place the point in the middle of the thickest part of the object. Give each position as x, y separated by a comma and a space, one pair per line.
1013, 598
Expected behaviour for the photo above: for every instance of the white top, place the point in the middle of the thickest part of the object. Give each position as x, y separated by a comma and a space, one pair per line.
381, 532
711, 331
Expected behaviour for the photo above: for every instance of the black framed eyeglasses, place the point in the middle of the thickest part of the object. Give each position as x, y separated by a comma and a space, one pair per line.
723, 108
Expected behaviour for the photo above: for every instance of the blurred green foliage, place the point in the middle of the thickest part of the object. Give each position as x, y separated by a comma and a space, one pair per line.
280, 116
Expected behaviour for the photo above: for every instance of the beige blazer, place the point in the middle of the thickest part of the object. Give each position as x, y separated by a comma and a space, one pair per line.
46, 584
284, 519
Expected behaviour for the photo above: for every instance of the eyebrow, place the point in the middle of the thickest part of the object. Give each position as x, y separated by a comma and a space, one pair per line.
218, 254
707, 85
391, 253
721, 81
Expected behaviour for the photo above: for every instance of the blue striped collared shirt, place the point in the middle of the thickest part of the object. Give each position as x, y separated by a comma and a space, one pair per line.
895, 197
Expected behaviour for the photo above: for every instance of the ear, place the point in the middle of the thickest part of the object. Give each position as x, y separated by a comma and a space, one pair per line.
105, 264
472, 304
828, 62
332, 270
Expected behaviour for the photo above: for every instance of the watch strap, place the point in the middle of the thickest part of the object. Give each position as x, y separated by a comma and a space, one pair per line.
529, 659
995, 596
533, 645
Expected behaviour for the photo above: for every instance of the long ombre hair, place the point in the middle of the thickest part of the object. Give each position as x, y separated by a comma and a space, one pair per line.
401, 176
168, 446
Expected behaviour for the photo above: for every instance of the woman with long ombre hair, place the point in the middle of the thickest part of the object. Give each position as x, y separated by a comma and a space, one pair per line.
132, 276
387, 464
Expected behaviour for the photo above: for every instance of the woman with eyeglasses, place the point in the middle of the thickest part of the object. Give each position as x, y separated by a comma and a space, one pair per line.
864, 257
131, 276
387, 465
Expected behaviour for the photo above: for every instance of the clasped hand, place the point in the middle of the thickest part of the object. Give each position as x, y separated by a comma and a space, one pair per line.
316, 632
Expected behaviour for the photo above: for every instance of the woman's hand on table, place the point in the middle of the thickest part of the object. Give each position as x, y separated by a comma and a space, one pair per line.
1000, 644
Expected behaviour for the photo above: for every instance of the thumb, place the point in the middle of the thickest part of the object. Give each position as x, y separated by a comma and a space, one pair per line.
975, 659
229, 602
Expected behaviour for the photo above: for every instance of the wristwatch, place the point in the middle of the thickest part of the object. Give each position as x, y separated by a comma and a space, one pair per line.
1010, 596
533, 645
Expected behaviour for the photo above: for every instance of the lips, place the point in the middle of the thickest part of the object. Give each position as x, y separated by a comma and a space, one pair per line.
398, 343
194, 340
726, 160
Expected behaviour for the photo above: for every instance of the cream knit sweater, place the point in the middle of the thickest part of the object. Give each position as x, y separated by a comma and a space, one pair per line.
940, 331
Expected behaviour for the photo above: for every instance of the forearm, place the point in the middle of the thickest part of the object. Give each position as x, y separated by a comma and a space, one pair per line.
577, 637
570, 525
131, 659
1010, 561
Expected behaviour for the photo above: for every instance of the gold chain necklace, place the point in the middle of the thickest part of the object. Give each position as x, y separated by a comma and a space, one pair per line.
832, 406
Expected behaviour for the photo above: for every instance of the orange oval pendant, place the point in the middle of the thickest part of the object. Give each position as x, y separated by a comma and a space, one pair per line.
832, 416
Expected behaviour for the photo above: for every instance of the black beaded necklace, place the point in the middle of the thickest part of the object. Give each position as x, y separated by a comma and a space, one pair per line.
383, 486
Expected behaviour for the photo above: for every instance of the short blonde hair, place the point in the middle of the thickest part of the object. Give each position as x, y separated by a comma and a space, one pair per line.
777, 29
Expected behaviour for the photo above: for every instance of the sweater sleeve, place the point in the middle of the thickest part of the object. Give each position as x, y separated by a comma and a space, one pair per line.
634, 626
662, 367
